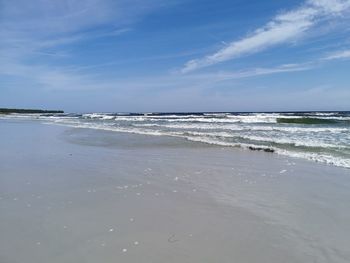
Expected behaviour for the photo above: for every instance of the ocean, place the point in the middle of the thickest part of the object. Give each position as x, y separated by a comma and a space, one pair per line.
318, 136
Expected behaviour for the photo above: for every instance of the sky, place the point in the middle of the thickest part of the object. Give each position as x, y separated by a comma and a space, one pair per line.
175, 55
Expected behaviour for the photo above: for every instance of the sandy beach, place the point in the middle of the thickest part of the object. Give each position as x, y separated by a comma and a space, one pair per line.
87, 196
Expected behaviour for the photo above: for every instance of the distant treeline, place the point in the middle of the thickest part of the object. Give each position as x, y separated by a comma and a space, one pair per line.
6, 111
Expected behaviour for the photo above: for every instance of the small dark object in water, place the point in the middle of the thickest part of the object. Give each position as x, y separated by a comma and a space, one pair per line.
268, 150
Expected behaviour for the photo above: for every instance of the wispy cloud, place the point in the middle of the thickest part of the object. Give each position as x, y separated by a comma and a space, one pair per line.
51, 78
33, 34
43, 17
38, 24
58, 78
255, 72
285, 27
195, 81
342, 54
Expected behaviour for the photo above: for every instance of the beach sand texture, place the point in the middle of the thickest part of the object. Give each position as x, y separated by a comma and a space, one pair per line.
86, 196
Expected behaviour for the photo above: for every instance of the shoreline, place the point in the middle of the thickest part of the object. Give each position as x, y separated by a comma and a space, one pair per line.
102, 196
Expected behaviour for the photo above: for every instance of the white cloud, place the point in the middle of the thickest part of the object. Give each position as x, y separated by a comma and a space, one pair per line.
343, 54
285, 27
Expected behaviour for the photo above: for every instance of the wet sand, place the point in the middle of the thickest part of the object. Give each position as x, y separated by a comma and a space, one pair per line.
80, 195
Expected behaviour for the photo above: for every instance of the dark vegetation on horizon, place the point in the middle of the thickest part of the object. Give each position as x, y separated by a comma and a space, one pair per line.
7, 111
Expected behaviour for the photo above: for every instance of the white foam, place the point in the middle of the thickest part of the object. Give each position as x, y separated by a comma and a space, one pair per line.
322, 158
296, 141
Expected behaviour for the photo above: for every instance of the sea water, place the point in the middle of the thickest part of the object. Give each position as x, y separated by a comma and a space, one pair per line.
318, 136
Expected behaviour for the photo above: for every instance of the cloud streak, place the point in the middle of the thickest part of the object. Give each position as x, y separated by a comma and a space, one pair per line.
255, 72
343, 54
285, 27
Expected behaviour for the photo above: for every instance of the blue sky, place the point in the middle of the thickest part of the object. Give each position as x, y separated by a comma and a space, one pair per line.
176, 55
